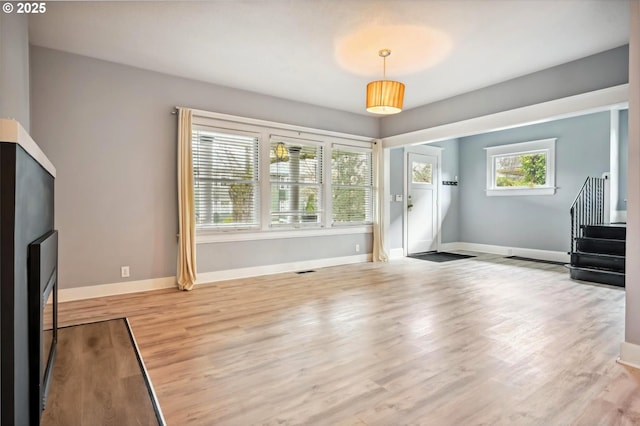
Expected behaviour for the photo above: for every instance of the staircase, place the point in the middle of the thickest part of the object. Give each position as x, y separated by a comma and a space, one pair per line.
599, 255
597, 249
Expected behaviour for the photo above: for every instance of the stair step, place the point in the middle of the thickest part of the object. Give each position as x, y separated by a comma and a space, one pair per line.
598, 260
606, 231
600, 245
596, 276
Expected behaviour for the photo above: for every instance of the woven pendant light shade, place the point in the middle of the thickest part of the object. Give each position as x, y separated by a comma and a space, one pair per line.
385, 97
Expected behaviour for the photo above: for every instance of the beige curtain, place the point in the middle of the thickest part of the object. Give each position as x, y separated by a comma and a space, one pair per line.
186, 273
379, 254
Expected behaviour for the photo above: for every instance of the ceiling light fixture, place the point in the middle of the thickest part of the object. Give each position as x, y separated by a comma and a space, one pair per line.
281, 151
385, 96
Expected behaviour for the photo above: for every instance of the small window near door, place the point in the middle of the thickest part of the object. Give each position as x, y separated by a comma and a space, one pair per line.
525, 168
421, 173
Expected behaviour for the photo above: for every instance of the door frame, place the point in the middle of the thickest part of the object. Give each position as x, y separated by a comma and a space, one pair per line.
425, 150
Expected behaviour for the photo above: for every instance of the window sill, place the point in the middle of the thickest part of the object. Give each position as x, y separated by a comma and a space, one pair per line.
520, 191
206, 237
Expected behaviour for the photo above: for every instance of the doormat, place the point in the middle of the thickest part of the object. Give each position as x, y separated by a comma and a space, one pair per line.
439, 257
550, 262
99, 378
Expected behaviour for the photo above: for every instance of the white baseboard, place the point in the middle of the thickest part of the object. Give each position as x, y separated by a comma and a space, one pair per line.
396, 253
618, 216
113, 289
254, 271
629, 355
555, 256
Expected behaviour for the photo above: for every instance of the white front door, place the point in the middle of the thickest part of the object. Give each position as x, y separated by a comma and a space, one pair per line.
422, 183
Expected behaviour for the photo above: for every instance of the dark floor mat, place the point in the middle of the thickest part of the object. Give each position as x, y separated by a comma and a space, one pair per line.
551, 262
439, 256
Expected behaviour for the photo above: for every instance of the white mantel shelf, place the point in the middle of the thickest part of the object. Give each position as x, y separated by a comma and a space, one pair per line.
12, 132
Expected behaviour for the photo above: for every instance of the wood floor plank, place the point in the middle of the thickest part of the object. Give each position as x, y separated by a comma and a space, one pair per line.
485, 340
97, 379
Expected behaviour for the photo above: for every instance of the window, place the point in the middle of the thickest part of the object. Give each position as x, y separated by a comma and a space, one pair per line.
525, 168
296, 182
421, 173
225, 179
351, 185
256, 180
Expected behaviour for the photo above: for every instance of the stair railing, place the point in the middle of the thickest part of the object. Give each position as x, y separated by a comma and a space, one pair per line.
588, 207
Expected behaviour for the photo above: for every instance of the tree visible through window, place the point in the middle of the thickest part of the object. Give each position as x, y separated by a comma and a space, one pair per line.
352, 185
225, 174
521, 170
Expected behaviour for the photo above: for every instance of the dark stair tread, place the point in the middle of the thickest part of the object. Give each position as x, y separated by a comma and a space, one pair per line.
603, 255
600, 239
597, 275
600, 246
606, 231
582, 268
607, 262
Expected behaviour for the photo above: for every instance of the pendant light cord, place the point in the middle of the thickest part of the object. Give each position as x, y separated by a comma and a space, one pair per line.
384, 67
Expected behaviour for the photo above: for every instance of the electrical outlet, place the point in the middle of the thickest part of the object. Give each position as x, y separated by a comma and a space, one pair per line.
357, 247
124, 271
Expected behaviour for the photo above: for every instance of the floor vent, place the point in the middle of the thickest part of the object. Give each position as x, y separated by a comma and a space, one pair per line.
305, 272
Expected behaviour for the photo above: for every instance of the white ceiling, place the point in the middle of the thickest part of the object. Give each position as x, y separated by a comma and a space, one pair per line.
324, 52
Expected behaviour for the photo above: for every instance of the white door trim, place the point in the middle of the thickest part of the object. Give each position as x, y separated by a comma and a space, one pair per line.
426, 150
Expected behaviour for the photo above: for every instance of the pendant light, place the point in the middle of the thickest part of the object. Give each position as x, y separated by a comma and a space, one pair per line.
385, 96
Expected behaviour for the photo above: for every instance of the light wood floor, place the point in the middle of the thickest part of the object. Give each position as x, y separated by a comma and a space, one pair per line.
486, 340
97, 379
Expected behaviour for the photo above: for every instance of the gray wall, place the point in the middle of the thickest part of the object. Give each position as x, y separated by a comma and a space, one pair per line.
623, 159
220, 256
450, 195
606, 69
536, 222
14, 68
108, 130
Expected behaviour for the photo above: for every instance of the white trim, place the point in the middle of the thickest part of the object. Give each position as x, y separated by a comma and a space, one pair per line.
619, 216
276, 125
499, 192
128, 287
204, 237
385, 193
614, 159
607, 192
585, 103
554, 256
629, 355
12, 132
255, 271
112, 289
396, 253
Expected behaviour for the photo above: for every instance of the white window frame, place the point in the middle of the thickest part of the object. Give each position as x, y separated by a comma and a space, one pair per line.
267, 130
547, 146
